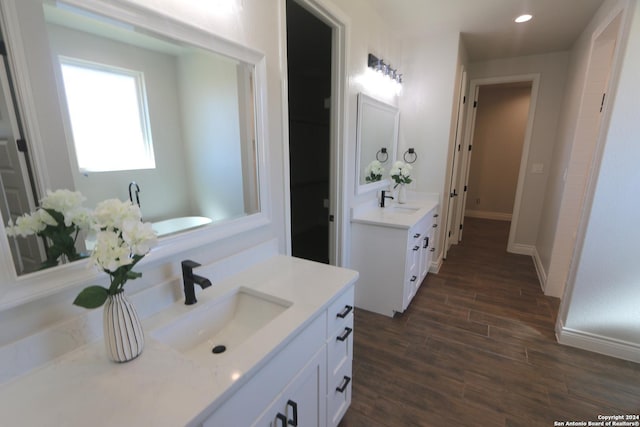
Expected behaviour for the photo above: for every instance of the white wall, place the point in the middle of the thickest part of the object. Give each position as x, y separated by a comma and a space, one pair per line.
552, 69
210, 112
602, 302
501, 121
572, 157
428, 107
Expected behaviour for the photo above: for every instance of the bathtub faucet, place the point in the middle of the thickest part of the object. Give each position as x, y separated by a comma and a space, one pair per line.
134, 189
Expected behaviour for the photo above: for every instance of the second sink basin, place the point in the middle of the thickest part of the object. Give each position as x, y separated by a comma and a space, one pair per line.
407, 210
220, 326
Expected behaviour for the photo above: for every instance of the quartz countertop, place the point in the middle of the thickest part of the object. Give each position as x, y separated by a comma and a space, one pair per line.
395, 215
163, 387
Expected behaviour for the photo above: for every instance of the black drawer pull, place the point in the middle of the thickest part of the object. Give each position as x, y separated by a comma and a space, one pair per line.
294, 406
345, 334
413, 278
433, 249
345, 312
415, 236
435, 215
434, 225
426, 243
415, 248
282, 418
345, 382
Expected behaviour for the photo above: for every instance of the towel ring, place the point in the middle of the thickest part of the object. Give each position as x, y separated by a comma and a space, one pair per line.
411, 153
382, 152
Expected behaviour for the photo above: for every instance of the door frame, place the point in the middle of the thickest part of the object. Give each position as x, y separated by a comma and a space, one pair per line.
339, 24
474, 87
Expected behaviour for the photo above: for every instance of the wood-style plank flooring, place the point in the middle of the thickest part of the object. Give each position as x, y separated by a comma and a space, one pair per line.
477, 348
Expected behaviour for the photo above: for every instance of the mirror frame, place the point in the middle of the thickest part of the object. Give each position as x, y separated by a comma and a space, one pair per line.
16, 290
364, 100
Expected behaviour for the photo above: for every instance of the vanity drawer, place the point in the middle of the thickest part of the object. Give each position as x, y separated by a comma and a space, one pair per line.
339, 310
340, 348
339, 396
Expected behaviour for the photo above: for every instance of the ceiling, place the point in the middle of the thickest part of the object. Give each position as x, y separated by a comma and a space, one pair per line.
487, 26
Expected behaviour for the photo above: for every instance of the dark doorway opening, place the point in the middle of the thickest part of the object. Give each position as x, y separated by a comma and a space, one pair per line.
309, 43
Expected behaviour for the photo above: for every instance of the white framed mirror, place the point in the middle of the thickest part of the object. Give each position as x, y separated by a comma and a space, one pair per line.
376, 142
203, 110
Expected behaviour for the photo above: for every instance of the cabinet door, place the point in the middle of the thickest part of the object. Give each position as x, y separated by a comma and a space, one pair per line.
302, 403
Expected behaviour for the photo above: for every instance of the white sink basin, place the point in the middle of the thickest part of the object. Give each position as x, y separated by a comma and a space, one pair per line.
407, 210
222, 324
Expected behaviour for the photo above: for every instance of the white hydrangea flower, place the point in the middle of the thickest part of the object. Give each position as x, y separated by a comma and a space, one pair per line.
112, 213
374, 171
139, 236
110, 251
401, 172
63, 201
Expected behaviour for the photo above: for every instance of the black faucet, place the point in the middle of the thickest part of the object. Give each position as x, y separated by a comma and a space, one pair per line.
384, 196
189, 279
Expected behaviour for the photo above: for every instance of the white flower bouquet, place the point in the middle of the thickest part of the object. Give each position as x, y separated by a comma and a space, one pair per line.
374, 171
59, 220
401, 173
122, 240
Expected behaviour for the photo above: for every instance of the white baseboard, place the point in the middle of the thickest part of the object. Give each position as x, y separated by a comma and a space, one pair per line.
597, 343
542, 274
436, 264
518, 248
500, 216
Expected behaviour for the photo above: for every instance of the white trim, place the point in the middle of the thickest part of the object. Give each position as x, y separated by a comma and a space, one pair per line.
499, 216
597, 343
436, 264
540, 271
520, 249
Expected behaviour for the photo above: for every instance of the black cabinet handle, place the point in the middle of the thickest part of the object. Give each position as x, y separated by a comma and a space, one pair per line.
345, 334
345, 312
413, 278
435, 215
415, 248
415, 236
435, 225
282, 419
345, 382
294, 407
433, 249
426, 243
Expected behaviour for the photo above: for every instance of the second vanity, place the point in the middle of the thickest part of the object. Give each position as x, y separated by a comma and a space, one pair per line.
393, 248
295, 366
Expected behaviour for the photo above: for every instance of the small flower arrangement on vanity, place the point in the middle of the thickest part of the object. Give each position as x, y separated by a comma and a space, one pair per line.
374, 171
122, 240
59, 220
401, 175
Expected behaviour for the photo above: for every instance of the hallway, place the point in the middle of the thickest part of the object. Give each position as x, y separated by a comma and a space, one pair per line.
477, 348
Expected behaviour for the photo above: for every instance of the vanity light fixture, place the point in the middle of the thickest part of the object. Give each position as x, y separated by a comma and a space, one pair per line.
385, 69
523, 18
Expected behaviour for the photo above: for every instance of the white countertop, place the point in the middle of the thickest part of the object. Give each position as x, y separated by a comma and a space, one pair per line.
394, 214
163, 387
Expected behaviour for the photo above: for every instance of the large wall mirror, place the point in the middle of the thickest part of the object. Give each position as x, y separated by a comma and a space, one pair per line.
150, 109
377, 141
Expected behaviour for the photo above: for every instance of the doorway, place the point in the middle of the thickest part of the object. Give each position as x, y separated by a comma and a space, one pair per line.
309, 68
497, 144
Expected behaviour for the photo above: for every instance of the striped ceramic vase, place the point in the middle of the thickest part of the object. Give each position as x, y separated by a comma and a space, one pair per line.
123, 336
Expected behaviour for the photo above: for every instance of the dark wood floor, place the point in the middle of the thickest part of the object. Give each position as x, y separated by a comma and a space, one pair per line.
477, 348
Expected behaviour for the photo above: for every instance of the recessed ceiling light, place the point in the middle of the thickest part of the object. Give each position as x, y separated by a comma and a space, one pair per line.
523, 18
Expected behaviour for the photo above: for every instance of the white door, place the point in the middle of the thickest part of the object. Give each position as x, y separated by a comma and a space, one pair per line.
15, 192
454, 188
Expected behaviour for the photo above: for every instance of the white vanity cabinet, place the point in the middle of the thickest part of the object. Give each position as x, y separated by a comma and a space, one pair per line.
308, 382
393, 253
